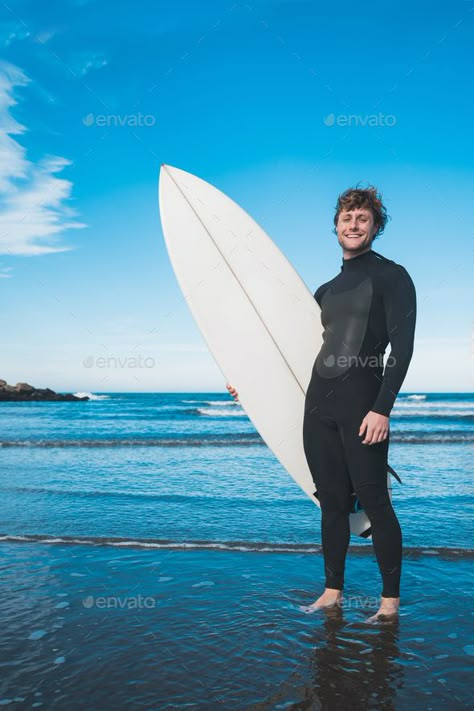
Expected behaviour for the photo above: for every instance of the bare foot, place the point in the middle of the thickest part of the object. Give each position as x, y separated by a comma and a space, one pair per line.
329, 598
388, 610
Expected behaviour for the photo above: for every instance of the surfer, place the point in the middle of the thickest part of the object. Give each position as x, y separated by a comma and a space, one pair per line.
346, 432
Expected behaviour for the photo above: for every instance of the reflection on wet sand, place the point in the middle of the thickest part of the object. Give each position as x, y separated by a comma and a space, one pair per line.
355, 665
352, 665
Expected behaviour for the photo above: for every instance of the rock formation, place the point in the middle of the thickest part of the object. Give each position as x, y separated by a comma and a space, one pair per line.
27, 393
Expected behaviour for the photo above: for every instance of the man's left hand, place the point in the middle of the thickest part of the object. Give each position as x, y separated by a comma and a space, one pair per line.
377, 428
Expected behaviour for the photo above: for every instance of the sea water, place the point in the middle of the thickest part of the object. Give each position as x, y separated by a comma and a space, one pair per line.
191, 469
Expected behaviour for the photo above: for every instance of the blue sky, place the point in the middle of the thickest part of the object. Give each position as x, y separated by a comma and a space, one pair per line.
282, 105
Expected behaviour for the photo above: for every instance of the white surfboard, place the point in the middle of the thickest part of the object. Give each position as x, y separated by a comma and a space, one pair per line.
258, 318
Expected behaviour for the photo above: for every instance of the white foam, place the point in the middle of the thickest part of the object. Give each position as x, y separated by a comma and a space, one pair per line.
445, 404
91, 396
214, 412
222, 403
431, 412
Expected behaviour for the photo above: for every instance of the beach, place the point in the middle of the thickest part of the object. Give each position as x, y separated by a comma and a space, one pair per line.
155, 555
111, 627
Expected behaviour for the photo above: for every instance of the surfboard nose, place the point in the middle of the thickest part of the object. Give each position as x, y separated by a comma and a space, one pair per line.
167, 167
165, 175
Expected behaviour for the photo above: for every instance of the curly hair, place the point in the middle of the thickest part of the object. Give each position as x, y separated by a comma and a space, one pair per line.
358, 198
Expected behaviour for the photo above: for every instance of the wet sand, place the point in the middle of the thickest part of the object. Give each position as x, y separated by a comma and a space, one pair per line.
109, 627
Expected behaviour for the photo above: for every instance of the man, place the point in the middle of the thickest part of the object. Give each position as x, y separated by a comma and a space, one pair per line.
371, 302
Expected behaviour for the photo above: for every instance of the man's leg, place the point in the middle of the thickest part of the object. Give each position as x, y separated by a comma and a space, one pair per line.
325, 456
367, 465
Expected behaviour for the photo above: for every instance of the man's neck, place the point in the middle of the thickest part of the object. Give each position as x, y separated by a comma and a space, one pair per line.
350, 255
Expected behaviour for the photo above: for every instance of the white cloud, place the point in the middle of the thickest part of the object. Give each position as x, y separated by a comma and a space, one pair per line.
12, 32
45, 35
33, 209
86, 62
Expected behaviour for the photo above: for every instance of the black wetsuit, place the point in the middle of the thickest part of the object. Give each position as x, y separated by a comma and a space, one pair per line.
371, 302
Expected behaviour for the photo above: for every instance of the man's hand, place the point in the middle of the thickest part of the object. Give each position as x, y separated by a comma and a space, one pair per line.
233, 392
376, 426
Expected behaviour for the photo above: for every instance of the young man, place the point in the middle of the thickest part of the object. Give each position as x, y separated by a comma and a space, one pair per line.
371, 302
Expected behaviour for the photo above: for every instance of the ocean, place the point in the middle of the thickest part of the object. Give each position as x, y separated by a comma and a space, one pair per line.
174, 498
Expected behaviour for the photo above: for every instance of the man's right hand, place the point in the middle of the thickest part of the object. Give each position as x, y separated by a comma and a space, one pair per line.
233, 392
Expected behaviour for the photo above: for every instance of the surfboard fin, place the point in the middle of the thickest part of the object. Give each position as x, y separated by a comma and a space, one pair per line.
393, 473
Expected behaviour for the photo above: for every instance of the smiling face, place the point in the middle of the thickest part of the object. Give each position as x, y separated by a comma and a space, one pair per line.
355, 231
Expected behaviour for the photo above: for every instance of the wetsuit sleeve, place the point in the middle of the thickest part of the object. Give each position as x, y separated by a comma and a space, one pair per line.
399, 297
